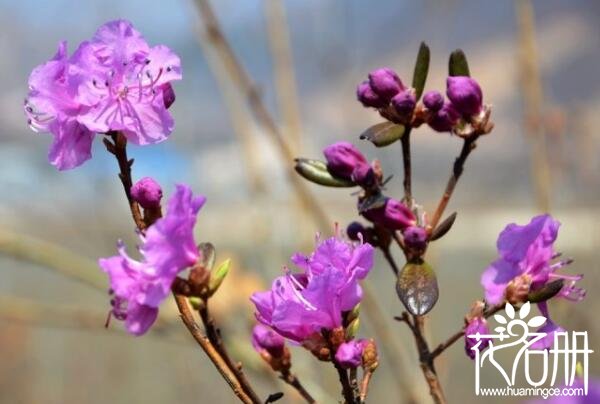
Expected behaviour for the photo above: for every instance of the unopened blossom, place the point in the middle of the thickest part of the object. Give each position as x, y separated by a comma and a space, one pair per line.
465, 95
368, 97
113, 82
404, 104
444, 119
51, 107
302, 304
477, 325
385, 83
167, 248
433, 100
415, 237
349, 354
393, 215
147, 192
343, 158
265, 339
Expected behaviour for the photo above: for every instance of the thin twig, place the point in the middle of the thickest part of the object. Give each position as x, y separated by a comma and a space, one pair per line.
214, 335
457, 170
293, 381
426, 361
364, 386
210, 350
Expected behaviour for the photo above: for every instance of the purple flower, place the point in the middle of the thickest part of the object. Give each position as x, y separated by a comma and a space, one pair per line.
550, 329
265, 339
51, 107
444, 119
394, 215
343, 158
114, 82
526, 254
404, 104
367, 97
123, 82
433, 100
415, 237
465, 95
385, 83
300, 305
349, 354
167, 248
147, 192
477, 325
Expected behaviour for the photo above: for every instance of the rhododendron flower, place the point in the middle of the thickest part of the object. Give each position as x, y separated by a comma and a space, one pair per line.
300, 305
525, 265
343, 158
465, 95
113, 82
265, 339
168, 247
476, 325
394, 215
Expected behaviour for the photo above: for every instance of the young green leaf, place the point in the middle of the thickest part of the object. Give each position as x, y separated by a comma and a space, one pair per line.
421, 69
316, 171
458, 65
383, 134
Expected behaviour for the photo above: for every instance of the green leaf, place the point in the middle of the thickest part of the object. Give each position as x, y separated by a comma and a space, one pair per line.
417, 288
421, 69
383, 134
316, 171
218, 276
443, 228
352, 328
458, 65
546, 292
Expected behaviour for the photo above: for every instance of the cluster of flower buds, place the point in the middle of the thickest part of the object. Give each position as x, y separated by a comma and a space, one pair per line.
462, 113
385, 92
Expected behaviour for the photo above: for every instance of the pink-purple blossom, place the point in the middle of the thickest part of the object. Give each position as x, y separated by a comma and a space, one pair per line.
385, 83
168, 247
265, 339
477, 325
147, 192
302, 304
393, 215
343, 158
349, 354
465, 95
113, 82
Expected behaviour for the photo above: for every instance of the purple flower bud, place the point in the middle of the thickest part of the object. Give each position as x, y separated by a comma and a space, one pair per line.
394, 215
265, 339
465, 94
354, 229
444, 119
415, 237
433, 100
367, 97
147, 193
168, 95
349, 354
385, 83
475, 326
342, 158
404, 103
364, 175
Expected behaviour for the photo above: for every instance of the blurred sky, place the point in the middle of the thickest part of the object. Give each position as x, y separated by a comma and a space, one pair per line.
335, 43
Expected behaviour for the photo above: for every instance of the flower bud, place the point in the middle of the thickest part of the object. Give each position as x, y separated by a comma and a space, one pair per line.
475, 326
433, 100
404, 104
349, 354
394, 215
444, 119
364, 175
415, 237
367, 97
465, 94
265, 339
354, 229
370, 358
342, 158
147, 193
217, 277
385, 83
168, 95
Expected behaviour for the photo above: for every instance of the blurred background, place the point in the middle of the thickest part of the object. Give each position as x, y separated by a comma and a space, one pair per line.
536, 61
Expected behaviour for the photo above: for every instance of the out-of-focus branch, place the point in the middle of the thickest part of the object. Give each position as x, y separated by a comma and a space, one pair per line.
283, 68
239, 76
52, 256
533, 95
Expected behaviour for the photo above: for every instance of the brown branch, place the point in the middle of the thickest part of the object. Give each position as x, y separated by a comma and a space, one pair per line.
214, 335
293, 381
405, 141
210, 350
119, 149
364, 385
457, 170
